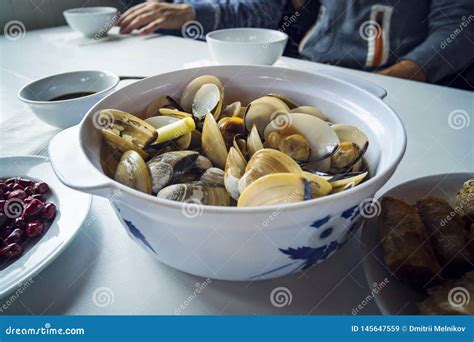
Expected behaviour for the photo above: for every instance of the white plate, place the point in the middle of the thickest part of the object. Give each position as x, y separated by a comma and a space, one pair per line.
72, 206
393, 297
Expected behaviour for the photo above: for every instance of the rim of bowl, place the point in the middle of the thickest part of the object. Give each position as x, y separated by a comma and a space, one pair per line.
214, 209
21, 98
94, 10
283, 36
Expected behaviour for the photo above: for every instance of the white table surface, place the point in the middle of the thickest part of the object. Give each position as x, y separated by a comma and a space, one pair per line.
102, 255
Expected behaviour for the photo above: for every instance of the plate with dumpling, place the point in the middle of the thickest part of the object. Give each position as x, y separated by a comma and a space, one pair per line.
418, 246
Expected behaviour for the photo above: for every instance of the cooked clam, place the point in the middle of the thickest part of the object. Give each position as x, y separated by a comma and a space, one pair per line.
265, 162
213, 143
196, 194
161, 102
292, 104
133, 172
213, 176
174, 113
254, 143
234, 169
234, 109
314, 111
353, 145
319, 185
208, 99
168, 167
347, 181
259, 112
230, 127
322, 140
126, 132
277, 188
192, 88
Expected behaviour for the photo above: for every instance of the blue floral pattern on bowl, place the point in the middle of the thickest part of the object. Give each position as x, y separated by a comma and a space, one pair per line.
303, 257
135, 231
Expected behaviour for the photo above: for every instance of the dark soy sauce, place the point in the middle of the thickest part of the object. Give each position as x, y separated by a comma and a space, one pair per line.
71, 96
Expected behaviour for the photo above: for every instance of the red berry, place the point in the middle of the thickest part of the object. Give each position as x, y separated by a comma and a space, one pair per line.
34, 228
41, 188
19, 194
30, 190
11, 180
33, 208
15, 237
3, 220
19, 222
17, 187
25, 182
49, 211
10, 251
39, 197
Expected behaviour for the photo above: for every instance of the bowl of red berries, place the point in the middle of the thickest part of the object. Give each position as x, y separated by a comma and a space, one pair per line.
39, 216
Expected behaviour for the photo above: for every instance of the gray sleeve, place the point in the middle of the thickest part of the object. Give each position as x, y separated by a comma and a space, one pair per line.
221, 14
450, 43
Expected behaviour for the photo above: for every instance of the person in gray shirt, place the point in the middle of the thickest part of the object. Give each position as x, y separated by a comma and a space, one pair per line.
424, 40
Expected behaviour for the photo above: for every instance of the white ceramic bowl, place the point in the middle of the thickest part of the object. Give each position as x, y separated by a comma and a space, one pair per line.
246, 45
92, 22
72, 206
228, 242
67, 113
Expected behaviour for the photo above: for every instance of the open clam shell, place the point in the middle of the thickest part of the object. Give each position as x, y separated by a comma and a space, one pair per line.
233, 110
213, 176
168, 167
126, 132
319, 185
234, 169
287, 100
162, 101
230, 127
322, 140
208, 99
310, 110
254, 143
213, 143
259, 112
353, 145
197, 194
265, 162
133, 172
276, 188
187, 98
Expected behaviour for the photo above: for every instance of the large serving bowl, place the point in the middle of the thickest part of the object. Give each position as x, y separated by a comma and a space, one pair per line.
228, 242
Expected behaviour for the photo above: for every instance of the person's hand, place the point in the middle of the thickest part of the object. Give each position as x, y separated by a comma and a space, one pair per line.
151, 16
405, 69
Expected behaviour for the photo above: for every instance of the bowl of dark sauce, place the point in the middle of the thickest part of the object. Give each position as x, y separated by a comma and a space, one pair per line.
62, 100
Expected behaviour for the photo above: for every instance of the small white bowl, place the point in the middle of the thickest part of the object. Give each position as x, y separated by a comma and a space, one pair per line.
246, 46
67, 113
91, 21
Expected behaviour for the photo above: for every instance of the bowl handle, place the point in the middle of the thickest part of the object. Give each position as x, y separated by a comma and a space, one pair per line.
75, 170
357, 81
